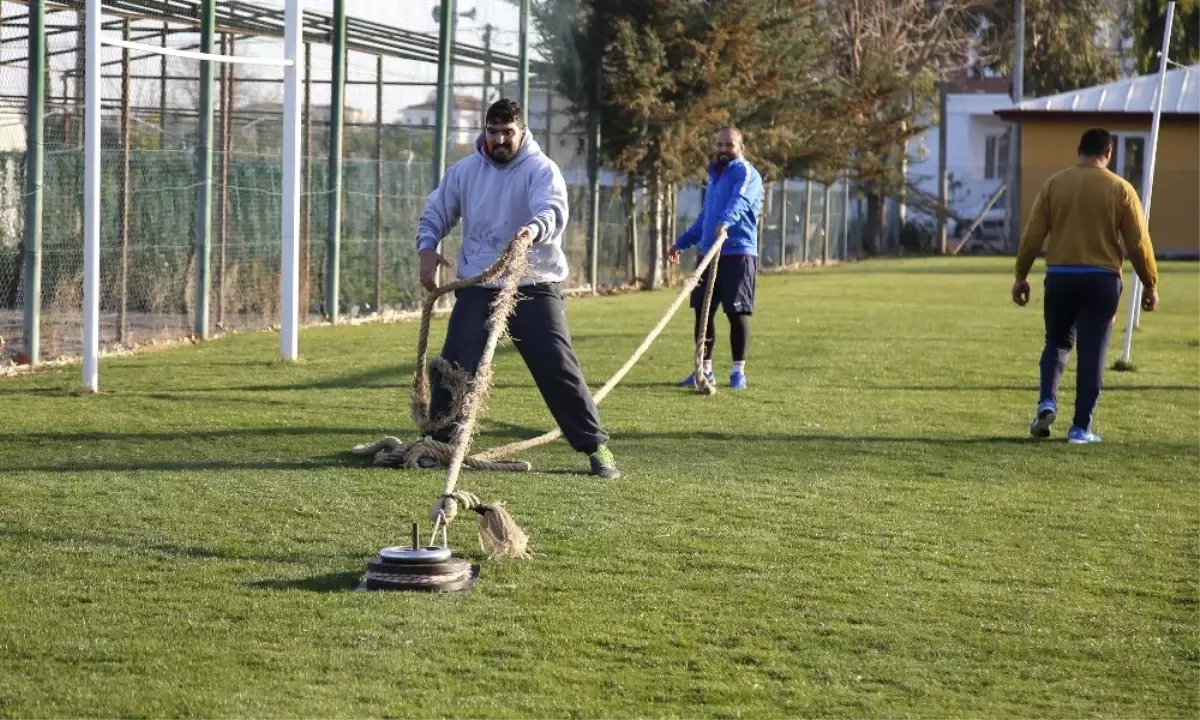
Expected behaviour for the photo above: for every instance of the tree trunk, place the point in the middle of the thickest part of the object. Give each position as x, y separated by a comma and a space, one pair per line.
654, 273
874, 230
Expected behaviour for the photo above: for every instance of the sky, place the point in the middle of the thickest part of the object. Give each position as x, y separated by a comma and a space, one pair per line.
416, 16
413, 15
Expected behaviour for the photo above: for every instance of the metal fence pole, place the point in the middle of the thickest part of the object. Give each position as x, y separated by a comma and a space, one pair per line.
204, 193
549, 149
306, 193
846, 217
126, 190
379, 183
34, 157
943, 179
444, 92
337, 95
825, 227
783, 222
227, 79
807, 218
631, 224
445, 67
594, 183
162, 91
523, 58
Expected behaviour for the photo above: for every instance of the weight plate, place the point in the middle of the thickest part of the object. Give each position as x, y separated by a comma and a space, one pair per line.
372, 581
405, 553
448, 567
390, 581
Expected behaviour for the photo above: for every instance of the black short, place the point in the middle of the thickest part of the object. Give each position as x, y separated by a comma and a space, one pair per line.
736, 275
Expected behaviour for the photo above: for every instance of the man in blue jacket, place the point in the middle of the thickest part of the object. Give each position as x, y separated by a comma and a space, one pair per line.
732, 203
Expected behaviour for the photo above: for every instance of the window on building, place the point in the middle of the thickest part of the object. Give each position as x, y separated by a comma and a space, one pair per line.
995, 157
1129, 157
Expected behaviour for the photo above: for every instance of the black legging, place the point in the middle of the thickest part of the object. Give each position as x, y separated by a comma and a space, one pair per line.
739, 333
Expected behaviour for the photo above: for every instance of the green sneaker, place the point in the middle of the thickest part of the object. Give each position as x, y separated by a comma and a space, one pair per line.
603, 463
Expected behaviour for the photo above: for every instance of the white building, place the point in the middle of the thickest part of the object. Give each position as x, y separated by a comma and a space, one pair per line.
977, 152
466, 117
12, 131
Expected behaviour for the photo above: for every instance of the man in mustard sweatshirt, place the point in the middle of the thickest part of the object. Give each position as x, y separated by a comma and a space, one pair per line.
1089, 219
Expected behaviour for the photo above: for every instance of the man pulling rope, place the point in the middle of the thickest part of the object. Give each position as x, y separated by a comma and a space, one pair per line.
509, 187
732, 207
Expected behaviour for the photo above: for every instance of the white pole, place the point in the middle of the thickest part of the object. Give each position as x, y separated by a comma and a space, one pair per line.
290, 269
1135, 294
91, 200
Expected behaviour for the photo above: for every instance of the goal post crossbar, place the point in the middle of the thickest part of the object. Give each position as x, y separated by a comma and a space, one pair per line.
196, 55
289, 241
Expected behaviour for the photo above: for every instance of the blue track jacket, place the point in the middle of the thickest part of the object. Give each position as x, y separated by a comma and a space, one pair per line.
734, 198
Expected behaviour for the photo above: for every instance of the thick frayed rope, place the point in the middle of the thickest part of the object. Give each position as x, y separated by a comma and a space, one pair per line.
703, 384
499, 535
394, 452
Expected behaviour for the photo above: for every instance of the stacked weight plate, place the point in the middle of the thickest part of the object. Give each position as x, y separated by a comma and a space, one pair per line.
421, 569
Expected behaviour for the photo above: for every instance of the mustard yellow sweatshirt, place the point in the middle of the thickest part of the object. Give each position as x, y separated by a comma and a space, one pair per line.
1086, 215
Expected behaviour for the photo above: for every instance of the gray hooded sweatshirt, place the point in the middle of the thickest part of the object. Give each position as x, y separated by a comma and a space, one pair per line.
495, 200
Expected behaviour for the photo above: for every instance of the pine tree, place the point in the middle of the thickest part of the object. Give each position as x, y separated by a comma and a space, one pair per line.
1068, 44
1145, 24
674, 71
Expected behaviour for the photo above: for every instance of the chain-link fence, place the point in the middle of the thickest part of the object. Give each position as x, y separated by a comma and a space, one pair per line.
152, 186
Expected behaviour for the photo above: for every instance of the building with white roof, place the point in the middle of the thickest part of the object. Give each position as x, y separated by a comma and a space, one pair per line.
1051, 127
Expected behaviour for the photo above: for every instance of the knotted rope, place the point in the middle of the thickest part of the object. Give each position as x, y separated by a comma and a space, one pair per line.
703, 384
499, 535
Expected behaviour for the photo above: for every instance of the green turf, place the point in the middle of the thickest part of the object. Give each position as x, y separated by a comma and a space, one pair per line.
866, 532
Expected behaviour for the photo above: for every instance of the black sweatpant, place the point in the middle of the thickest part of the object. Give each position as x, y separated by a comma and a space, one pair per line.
1079, 309
539, 331
736, 281
739, 333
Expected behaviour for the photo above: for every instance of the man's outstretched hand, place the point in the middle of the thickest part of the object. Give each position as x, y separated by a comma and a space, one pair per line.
431, 260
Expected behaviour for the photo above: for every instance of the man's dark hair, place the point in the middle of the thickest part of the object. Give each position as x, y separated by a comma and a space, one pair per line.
505, 111
1095, 142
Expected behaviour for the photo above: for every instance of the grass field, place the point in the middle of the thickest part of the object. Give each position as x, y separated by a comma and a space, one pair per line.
865, 532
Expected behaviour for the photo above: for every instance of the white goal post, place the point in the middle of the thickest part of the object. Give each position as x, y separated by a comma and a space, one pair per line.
290, 239
1134, 313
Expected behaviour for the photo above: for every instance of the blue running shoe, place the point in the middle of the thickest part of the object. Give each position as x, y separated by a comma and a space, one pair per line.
1079, 436
690, 380
737, 381
1047, 412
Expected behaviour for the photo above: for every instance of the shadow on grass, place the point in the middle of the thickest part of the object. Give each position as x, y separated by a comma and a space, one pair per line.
368, 434
376, 378
38, 391
1017, 388
150, 547
328, 583
349, 460
1018, 437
